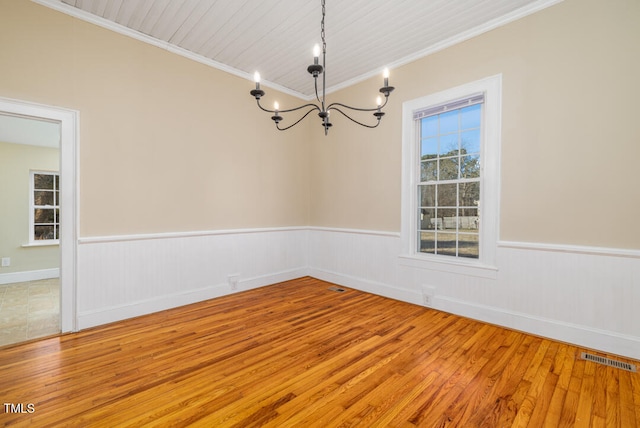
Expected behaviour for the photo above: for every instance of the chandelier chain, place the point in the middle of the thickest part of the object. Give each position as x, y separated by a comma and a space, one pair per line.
324, 43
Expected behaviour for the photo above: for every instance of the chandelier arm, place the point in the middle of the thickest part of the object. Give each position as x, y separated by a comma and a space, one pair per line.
386, 100
355, 121
298, 121
313, 107
315, 81
359, 109
262, 108
289, 110
332, 106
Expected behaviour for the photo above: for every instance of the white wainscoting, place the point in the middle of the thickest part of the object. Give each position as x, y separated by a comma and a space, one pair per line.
125, 276
586, 296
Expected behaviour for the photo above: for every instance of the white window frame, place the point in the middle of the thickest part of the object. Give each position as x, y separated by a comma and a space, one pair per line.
32, 207
485, 265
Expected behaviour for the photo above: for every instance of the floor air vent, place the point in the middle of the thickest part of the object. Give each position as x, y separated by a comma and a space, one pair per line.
608, 362
338, 289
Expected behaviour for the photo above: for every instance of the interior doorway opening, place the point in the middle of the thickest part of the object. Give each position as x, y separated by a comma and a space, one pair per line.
50, 277
29, 228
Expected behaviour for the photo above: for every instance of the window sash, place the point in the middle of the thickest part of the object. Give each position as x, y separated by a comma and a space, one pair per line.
449, 106
37, 209
433, 237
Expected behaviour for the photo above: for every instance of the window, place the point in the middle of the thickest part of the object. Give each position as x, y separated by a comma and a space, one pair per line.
44, 221
448, 189
451, 152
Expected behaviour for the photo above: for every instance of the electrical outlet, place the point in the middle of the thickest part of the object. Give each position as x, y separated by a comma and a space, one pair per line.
6, 261
233, 281
427, 299
428, 294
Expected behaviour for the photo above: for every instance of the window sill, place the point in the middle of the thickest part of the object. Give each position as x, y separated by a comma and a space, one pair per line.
469, 268
41, 244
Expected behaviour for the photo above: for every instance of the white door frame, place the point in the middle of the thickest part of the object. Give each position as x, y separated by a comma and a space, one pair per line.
69, 134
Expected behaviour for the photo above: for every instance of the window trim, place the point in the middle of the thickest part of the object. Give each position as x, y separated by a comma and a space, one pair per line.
490, 179
32, 241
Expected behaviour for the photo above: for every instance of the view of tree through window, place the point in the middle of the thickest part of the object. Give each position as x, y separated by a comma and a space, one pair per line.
46, 206
449, 184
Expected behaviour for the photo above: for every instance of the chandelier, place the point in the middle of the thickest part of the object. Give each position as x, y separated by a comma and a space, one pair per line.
324, 110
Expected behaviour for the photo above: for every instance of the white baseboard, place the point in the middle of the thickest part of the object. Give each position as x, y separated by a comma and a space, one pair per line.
373, 287
596, 339
161, 303
32, 275
274, 278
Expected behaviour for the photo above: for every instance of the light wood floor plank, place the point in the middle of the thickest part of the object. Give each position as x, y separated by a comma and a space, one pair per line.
296, 354
563, 366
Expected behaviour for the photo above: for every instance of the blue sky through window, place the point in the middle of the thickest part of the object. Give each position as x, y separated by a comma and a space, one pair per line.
445, 133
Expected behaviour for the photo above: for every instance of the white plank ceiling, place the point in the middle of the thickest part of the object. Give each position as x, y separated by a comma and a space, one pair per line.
29, 130
276, 37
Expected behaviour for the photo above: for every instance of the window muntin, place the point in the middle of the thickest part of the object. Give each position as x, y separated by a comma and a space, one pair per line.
448, 186
45, 206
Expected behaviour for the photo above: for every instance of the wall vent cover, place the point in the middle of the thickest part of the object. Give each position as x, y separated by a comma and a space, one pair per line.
338, 289
608, 362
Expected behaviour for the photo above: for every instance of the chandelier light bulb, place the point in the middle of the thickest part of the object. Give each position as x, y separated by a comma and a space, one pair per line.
379, 101
276, 106
385, 74
316, 53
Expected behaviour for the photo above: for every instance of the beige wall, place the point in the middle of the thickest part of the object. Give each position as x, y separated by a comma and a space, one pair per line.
570, 144
16, 162
355, 176
166, 144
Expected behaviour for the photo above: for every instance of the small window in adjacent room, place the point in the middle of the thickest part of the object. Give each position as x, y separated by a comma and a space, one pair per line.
44, 218
451, 173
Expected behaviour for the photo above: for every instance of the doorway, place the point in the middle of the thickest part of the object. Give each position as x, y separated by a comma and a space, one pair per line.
50, 225
29, 228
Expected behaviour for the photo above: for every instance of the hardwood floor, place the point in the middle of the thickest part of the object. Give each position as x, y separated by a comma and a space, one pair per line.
298, 355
